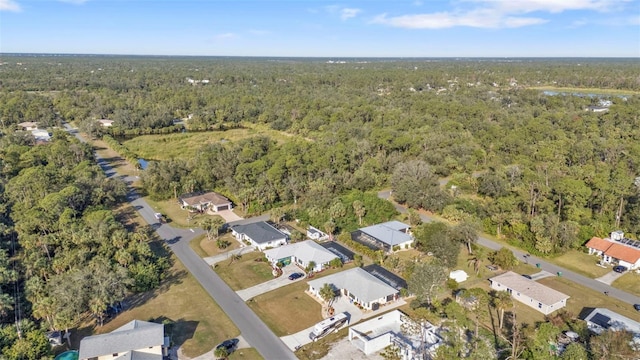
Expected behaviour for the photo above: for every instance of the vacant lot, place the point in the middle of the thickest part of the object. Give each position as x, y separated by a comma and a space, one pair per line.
199, 323
119, 164
186, 145
581, 263
205, 247
629, 282
288, 309
245, 272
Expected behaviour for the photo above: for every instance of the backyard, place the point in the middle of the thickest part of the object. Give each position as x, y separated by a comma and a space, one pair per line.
244, 272
288, 309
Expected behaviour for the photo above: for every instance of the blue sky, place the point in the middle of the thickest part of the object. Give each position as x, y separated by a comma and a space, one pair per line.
374, 28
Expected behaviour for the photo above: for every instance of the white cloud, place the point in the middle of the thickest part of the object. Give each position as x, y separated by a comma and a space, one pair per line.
496, 13
9, 5
75, 2
348, 13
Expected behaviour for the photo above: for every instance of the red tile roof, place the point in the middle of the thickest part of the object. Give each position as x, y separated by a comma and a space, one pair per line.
624, 253
599, 244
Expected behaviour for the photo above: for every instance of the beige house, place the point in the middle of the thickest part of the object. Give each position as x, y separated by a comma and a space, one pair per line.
205, 201
105, 122
134, 340
527, 291
28, 125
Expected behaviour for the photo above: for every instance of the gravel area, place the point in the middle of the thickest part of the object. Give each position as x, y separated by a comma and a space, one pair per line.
343, 349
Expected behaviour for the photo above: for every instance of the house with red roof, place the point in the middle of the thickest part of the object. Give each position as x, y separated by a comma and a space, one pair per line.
616, 250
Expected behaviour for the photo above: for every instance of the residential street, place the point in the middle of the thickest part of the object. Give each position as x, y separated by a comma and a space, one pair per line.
253, 330
544, 265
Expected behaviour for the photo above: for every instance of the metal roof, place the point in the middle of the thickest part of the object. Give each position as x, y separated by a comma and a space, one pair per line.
135, 335
358, 282
389, 233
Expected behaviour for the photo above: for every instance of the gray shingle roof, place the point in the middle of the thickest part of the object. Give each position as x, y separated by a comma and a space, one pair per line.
260, 232
135, 335
358, 282
389, 233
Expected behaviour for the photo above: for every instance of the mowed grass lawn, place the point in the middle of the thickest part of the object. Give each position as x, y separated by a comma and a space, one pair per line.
581, 297
629, 282
205, 247
245, 354
246, 272
200, 324
581, 263
288, 309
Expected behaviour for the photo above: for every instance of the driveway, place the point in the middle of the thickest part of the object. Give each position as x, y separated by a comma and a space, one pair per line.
609, 277
211, 260
267, 286
228, 216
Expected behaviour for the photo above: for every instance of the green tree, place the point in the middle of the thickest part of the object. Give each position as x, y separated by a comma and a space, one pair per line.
426, 279
359, 209
504, 258
327, 293
574, 351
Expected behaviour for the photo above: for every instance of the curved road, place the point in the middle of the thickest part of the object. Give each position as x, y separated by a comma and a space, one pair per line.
253, 330
544, 265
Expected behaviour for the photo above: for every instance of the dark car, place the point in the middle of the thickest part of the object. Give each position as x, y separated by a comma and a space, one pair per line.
620, 269
527, 276
228, 345
295, 276
636, 306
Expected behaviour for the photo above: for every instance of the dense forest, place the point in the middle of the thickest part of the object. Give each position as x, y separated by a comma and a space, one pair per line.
531, 166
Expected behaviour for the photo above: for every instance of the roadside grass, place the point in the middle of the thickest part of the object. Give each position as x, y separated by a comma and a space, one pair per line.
581, 297
205, 247
177, 216
319, 349
200, 324
629, 282
288, 309
581, 263
245, 354
119, 164
585, 90
246, 272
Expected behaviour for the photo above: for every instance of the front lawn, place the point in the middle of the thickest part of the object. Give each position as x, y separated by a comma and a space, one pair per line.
177, 216
288, 309
245, 354
205, 247
245, 272
200, 324
580, 263
629, 282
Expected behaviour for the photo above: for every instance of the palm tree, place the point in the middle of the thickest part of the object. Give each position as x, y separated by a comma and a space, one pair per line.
359, 209
501, 301
310, 266
327, 294
330, 227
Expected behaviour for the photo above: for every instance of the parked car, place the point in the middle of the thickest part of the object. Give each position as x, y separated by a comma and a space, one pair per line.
492, 267
295, 276
229, 345
620, 268
636, 306
527, 276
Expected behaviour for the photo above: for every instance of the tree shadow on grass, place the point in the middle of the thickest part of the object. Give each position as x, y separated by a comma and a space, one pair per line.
178, 331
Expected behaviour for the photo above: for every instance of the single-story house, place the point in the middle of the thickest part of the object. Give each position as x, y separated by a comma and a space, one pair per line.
458, 275
617, 250
205, 201
134, 340
301, 254
360, 286
597, 109
315, 234
28, 125
601, 319
386, 276
388, 235
105, 122
527, 291
261, 235
392, 329
41, 135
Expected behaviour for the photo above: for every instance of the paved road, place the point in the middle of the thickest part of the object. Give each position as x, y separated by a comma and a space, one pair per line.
544, 265
251, 327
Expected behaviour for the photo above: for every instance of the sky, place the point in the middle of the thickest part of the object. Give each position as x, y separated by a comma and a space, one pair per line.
319, 28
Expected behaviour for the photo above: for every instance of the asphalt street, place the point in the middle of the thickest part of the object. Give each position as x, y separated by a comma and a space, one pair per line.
253, 330
544, 265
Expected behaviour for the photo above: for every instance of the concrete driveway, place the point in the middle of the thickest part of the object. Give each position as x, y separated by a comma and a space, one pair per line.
228, 216
609, 277
276, 283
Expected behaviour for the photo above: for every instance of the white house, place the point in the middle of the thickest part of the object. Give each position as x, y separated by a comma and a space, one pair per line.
601, 319
134, 340
315, 234
396, 328
359, 286
301, 254
458, 275
261, 235
540, 297
388, 236
205, 201
28, 125
41, 135
105, 122
616, 250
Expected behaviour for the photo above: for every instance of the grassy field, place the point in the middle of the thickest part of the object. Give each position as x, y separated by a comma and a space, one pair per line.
246, 272
186, 145
629, 282
585, 90
288, 309
581, 297
205, 247
580, 263
199, 323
